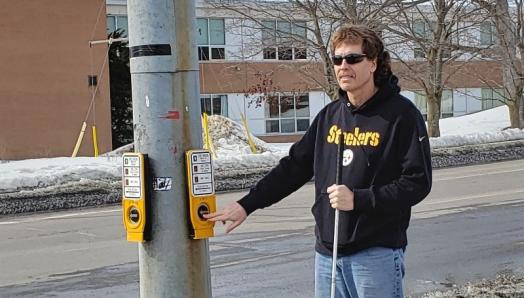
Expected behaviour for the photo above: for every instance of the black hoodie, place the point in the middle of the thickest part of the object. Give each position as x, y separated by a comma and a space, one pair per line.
387, 164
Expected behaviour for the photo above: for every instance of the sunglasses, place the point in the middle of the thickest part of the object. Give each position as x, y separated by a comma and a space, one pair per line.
350, 58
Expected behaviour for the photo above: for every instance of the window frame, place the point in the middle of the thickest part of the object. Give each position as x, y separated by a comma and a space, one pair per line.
116, 22
420, 96
491, 34
221, 98
207, 50
449, 111
419, 53
274, 52
426, 30
270, 117
495, 99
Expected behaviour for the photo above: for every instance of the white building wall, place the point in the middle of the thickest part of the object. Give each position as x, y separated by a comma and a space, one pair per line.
233, 36
409, 95
116, 8
252, 41
243, 40
398, 47
470, 35
235, 106
238, 104
317, 101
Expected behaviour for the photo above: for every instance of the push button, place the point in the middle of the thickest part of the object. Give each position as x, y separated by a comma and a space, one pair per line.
202, 209
134, 215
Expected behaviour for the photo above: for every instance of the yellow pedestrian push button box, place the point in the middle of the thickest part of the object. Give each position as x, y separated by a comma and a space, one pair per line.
135, 201
201, 190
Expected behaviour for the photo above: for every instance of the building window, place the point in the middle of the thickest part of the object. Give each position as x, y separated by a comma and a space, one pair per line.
211, 39
446, 103
420, 102
115, 22
492, 97
213, 105
446, 53
488, 34
287, 113
422, 29
284, 40
419, 53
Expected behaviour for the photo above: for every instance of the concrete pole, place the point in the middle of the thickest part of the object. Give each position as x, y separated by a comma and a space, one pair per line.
165, 90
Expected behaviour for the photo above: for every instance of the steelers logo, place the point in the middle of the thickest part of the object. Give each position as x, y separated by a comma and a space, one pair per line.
347, 157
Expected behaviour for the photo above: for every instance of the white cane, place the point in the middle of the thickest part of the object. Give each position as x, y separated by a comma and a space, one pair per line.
340, 154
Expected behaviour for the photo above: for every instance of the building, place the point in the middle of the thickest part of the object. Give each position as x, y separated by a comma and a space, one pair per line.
52, 80
235, 51
237, 62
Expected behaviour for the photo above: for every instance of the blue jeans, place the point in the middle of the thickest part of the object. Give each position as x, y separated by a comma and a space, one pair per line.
375, 272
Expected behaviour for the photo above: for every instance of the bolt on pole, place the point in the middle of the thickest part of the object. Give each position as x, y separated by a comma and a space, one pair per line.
166, 117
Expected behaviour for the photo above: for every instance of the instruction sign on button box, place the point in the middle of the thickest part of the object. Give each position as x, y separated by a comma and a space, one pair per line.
203, 157
201, 168
202, 178
203, 189
132, 192
201, 171
131, 181
132, 161
132, 177
131, 171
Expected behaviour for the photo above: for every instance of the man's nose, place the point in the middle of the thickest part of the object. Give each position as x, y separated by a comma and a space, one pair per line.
344, 64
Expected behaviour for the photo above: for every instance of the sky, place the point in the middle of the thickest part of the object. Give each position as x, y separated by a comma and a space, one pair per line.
232, 152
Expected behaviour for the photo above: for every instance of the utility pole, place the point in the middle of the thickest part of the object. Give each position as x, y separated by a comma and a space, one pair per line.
166, 117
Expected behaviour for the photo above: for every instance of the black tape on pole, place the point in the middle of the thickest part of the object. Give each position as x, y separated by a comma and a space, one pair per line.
150, 50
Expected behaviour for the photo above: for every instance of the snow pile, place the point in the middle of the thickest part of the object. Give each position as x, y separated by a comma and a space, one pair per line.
232, 147
34, 174
477, 138
492, 120
488, 126
229, 137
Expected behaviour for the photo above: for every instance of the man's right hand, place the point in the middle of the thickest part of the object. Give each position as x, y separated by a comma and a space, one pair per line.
233, 212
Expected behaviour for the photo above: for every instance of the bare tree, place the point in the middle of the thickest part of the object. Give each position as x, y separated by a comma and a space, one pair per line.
303, 25
435, 28
432, 41
509, 24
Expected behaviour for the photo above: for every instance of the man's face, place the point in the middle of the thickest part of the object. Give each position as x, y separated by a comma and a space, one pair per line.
353, 77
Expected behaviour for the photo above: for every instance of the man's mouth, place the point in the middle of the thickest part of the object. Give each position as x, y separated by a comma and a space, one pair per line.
346, 77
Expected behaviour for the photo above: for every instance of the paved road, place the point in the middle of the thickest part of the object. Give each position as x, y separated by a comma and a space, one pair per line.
470, 227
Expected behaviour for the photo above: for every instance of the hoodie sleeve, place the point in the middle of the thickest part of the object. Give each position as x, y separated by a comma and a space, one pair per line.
414, 182
290, 174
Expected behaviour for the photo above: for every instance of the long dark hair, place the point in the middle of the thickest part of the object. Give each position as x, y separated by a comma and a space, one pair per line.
372, 46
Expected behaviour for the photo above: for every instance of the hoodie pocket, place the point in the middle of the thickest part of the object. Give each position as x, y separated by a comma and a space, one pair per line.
325, 223
324, 218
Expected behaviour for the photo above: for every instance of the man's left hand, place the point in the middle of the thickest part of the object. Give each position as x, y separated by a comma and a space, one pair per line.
340, 197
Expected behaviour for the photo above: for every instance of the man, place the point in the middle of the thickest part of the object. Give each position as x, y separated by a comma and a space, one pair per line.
386, 170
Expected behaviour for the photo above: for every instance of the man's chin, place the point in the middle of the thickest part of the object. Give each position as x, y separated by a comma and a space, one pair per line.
345, 87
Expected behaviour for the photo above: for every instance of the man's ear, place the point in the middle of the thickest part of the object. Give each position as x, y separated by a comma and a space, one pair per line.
374, 67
